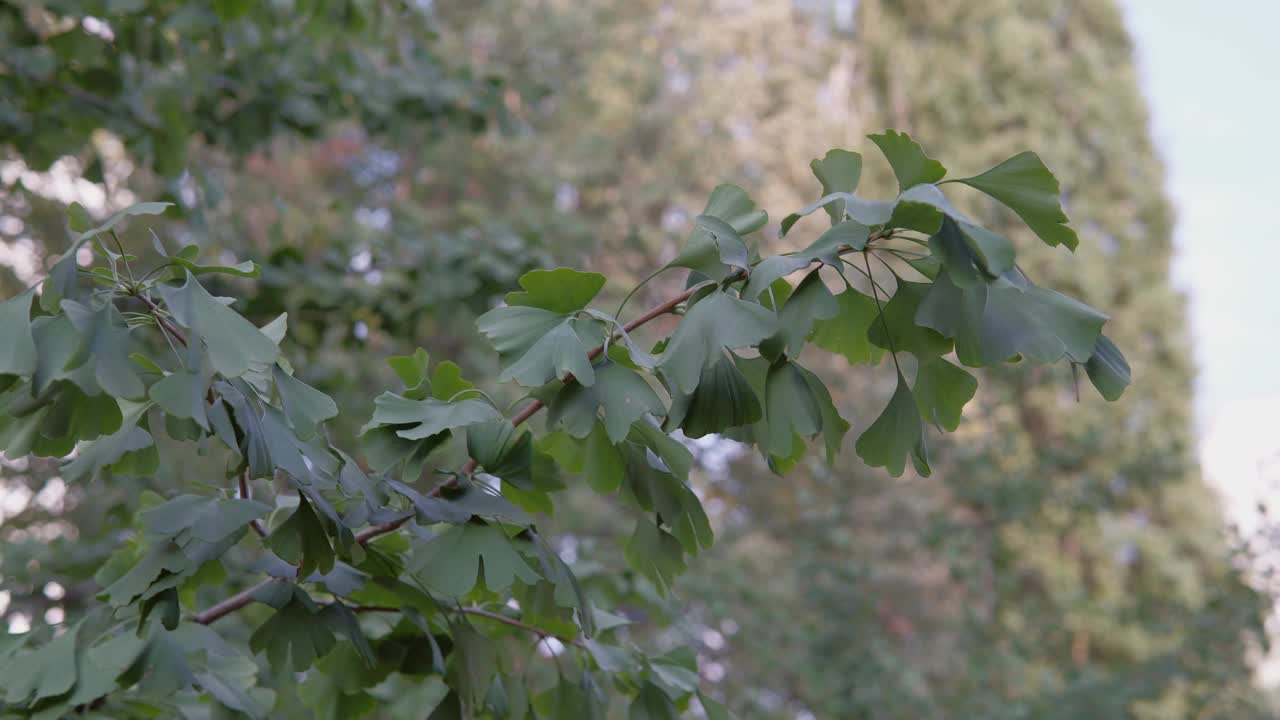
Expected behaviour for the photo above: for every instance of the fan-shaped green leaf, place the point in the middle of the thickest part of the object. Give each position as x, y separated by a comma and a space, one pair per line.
895, 434
1025, 185
910, 163
718, 321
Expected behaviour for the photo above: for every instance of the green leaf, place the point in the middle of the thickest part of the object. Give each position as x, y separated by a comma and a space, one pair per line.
208, 519
652, 704
899, 319
116, 451
910, 163
233, 343
562, 290
47, 672
472, 664
846, 332
301, 540
295, 636
838, 171
895, 434
790, 407
622, 393
450, 563
418, 419
655, 553
810, 302
412, 369
769, 271
104, 346
833, 425
502, 450
733, 205
304, 406
713, 709
718, 321
970, 253
941, 392
536, 345
182, 394
80, 222
246, 269
714, 249
723, 399
1025, 185
992, 323
1107, 369
602, 461
18, 351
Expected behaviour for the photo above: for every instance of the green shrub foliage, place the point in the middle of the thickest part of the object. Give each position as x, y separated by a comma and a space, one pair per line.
389, 577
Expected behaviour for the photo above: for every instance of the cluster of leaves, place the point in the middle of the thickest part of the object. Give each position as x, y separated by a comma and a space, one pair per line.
394, 571
232, 71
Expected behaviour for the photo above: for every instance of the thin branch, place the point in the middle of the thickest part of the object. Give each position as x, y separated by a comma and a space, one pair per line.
245, 494
233, 603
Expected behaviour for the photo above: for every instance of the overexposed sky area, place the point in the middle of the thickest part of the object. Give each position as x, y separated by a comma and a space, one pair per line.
1209, 72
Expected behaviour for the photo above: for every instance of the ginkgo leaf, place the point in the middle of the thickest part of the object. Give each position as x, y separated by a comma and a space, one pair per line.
295, 636
104, 347
790, 407
723, 399
838, 171
941, 391
651, 703
503, 451
655, 553
846, 332
204, 518
714, 249
716, 322
910, 163
602, 461
810, 302
450, 563
895, 434
472, 664
80, 222
18, 351
733, 205
993, 322
46, 672
304, 406
537, 346
182, 394
896, 328
562, 290
108, 451
834, 426
301, 540
233, 343
620, 392
1026, 186
1107, 369
418, 419
769, 271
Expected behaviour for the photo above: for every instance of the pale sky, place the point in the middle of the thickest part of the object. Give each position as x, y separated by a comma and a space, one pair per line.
1211, 72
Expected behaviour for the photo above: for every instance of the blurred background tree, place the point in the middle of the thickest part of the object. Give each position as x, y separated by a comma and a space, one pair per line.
391, 196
